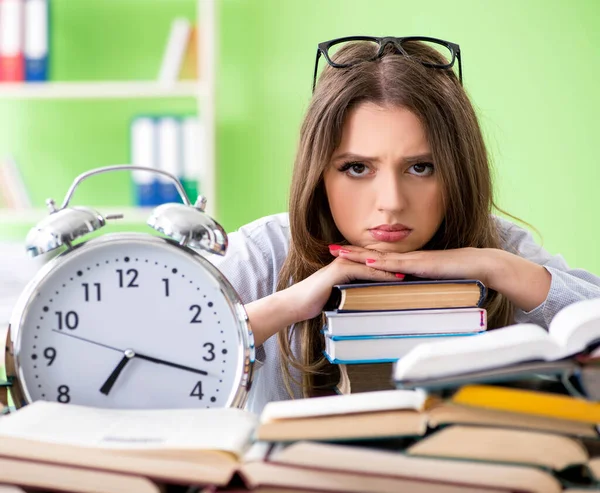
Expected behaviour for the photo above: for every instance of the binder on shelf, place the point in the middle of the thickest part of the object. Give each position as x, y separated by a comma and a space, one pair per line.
11, 41
174, 51
36, 40
192, 142
144, 153
169, 157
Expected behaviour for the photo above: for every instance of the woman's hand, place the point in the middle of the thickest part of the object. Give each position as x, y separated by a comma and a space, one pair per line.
523, 282
306, 299
462, 263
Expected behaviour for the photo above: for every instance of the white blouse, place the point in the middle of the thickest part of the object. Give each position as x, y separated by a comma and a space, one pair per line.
257, 251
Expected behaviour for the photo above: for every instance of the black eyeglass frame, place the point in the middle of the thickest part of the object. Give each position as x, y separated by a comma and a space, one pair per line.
323, 49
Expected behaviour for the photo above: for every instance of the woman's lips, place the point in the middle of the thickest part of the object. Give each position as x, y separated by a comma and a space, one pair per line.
390, 235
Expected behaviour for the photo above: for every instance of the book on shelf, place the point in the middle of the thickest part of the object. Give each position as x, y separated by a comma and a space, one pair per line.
380, 348
509, 353
168, 143
175, 49
36, 45
406, 322
143, 137
189, 64
170, 157
406, 295
12, 64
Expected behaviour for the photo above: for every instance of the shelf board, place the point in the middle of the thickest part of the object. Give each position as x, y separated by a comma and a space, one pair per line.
131, 215
100, 90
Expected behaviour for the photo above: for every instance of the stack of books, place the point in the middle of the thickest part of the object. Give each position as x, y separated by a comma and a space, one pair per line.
382, 322
24, 40
463, 437
167, 143
482, 439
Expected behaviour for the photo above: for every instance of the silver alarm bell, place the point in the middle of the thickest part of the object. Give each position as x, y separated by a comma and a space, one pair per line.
185, 223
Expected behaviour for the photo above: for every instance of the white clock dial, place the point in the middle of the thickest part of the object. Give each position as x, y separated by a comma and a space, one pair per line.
132, 321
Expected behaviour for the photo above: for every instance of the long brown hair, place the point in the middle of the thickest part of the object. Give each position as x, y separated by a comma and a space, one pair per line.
437, 98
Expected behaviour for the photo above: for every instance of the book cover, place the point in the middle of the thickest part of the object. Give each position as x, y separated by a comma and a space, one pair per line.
406, 322
12, 64
36, 40
406, 295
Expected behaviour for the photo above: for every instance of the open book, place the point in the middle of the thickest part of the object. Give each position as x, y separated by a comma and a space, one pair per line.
197, 446
507, 353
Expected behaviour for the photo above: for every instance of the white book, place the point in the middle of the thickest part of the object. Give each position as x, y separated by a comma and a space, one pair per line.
169, 157
179, 36
227, 430
573, 330
380, 349
384, 400
447, 321
36, 40
144, 153
11, 27
193, 142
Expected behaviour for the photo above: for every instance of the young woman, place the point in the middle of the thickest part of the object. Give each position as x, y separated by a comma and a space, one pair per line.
391, 178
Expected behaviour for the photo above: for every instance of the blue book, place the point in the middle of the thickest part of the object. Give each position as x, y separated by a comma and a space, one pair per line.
378, 349
36, 47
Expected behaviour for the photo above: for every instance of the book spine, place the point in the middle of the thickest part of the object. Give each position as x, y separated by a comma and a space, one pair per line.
36, 40
143, 153
174, 51
192, 169
169, 157
11, 41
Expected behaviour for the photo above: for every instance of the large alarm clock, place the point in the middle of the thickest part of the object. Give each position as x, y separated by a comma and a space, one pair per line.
130, 320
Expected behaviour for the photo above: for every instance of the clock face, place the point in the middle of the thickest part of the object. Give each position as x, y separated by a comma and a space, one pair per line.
132, 321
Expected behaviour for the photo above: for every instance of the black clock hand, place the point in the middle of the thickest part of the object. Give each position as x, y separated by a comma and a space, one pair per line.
110, 381
168, 363
137, 355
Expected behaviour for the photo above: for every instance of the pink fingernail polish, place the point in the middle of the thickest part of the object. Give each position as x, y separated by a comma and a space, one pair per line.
399, 276
334, 247
370, 261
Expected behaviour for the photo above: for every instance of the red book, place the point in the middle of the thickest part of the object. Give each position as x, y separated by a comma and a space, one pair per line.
12, 60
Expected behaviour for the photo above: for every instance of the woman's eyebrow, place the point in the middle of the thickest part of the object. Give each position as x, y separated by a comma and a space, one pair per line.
350, 156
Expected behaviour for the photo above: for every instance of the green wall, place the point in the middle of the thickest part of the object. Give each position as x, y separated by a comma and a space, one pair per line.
530, 66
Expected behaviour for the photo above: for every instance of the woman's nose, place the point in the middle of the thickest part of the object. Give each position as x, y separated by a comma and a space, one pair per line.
389, 195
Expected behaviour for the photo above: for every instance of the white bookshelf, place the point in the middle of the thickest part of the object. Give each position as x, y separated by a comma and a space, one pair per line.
203, 91
101, 90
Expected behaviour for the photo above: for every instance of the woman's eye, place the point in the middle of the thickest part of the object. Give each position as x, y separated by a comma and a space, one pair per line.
354, 170
421, 169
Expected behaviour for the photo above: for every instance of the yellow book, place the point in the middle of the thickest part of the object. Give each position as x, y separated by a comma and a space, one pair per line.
528, 402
